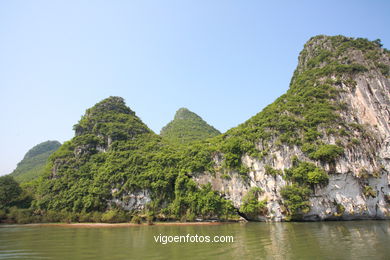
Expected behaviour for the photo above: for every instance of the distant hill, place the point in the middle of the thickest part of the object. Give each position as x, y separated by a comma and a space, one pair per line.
34, 161
187, 127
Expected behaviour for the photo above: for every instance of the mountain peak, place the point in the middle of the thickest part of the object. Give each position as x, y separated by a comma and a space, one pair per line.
42, 148
184, 113
111, 104
112, 119
186, 127
322, 50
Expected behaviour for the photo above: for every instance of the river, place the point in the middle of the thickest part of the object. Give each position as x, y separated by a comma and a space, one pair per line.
315, 240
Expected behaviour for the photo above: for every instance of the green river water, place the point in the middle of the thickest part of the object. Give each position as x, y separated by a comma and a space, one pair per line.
317, 240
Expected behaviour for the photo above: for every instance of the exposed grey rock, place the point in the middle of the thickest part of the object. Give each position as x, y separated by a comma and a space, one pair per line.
343, 197
132, 201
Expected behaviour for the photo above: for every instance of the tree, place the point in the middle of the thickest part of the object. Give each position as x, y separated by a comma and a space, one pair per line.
9, 191
251, 206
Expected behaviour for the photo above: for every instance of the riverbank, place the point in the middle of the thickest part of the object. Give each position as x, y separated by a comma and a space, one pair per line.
105, 225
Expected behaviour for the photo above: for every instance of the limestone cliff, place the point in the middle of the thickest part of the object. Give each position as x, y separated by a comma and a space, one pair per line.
358, 184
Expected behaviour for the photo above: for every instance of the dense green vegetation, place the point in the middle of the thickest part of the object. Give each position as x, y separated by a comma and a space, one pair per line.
99, 165
110, 120
114, 154
326, 153
14, 200
34, 161
306, 173
251, 206
296, 198
187, 127
302, 176
9, 191
191, 201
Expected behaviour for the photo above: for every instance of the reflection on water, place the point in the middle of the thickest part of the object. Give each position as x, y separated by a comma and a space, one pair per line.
321, 240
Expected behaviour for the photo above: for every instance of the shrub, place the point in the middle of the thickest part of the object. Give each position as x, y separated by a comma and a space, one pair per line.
309, 148
225, 176
51, 216
232, 152
9, 191
317, 176
243, 170
20, 216
85, 217
311, 135
96, 217
188, 217
377, 172
385, 69
251, 206
68, 217
363, 173
149, 219
369, 191
114, 216
136, 219
306, 173
355, 141
327, 153
200, 201
340, 209
3, 214
296, 200
352, 68
271, 171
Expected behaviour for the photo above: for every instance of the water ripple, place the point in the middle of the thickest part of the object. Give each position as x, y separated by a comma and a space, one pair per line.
323, 240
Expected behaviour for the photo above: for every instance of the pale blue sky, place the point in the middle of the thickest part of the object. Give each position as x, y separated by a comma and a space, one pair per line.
224, 60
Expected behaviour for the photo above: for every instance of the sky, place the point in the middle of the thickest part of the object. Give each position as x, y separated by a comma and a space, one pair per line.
224, 60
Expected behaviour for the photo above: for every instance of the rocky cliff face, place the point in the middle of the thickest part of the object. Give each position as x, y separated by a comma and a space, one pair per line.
359, 180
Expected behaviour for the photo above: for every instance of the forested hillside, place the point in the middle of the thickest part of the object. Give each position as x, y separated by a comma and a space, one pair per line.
34, 161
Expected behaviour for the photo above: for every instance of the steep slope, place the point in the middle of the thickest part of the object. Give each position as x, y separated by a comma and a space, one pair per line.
33, 162
187, 127
321, 151
78, 176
